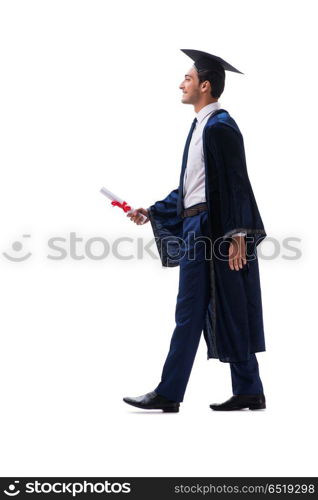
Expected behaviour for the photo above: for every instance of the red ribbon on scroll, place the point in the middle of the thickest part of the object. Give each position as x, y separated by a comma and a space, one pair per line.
122, 205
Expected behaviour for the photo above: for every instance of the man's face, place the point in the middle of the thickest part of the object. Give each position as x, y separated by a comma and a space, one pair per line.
190, 87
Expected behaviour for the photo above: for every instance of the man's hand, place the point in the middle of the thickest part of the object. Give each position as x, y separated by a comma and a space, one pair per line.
237, 253
136, 218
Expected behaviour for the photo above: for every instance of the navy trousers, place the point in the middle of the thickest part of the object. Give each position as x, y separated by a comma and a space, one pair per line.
192, 302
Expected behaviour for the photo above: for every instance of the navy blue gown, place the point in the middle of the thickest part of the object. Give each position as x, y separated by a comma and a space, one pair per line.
233, 319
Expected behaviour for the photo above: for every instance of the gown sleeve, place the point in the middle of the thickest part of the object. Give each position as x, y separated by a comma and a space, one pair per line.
238, 207
167, 229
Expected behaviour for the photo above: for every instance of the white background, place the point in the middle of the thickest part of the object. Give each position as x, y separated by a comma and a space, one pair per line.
89, 97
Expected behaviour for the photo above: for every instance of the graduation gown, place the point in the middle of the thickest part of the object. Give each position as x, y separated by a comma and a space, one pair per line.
233, 327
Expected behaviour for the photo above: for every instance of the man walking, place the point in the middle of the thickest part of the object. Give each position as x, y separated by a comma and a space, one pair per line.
210, 226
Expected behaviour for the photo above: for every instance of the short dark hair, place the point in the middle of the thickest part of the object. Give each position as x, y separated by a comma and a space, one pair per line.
216, 79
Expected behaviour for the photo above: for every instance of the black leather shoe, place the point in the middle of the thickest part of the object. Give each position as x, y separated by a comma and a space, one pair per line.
153, 401
241, 401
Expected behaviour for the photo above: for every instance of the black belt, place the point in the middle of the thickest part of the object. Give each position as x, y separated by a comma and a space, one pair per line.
194, 210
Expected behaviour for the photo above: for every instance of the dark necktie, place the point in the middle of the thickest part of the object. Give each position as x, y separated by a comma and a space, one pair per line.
184, 164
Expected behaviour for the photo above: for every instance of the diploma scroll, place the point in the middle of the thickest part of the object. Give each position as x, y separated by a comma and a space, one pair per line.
118, 202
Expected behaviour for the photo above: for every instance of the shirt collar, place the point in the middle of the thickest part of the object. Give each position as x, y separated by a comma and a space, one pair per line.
206, 110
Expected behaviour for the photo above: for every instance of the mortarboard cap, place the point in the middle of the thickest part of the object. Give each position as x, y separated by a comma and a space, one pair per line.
203, 61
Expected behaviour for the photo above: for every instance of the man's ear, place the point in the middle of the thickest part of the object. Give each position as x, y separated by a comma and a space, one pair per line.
206, 85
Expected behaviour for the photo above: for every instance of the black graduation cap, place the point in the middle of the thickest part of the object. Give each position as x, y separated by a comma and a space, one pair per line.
203, 60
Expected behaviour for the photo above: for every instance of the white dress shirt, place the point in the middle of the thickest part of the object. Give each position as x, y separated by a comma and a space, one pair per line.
194, 175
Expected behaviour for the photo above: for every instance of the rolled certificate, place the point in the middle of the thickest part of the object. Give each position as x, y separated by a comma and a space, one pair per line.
118, 202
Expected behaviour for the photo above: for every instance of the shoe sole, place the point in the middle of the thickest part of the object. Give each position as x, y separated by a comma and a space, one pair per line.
167, 409
258, 407
251, 407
